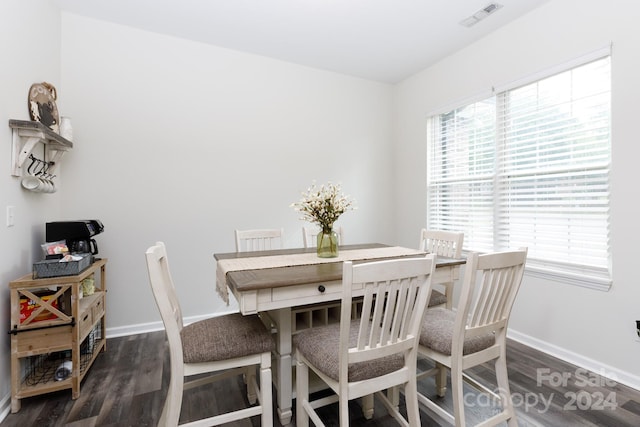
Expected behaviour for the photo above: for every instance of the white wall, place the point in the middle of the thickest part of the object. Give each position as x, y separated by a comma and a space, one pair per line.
30, 52
184, 142
591, 328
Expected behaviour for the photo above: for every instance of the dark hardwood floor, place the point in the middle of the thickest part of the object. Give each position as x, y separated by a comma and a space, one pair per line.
127, 386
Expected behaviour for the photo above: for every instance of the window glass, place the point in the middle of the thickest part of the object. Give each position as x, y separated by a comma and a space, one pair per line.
530, 167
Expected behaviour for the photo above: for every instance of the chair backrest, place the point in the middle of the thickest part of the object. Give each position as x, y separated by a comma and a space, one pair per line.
166, 298
443, 243
259, 239
310, 236
396, 293
491, 282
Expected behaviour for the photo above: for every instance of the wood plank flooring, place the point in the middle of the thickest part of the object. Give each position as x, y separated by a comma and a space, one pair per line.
127, 386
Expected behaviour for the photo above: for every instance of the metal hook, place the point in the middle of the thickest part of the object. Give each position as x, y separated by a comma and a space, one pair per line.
42, 165
50, 176
45, 168
33, 160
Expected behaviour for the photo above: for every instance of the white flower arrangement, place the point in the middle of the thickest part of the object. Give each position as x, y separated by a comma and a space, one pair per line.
323, 205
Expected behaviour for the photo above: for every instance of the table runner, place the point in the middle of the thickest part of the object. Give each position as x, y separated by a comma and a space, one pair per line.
274, 261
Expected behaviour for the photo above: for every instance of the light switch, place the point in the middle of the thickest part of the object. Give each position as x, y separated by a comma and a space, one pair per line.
10, 217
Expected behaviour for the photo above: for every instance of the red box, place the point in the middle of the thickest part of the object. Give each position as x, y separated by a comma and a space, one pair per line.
27, 306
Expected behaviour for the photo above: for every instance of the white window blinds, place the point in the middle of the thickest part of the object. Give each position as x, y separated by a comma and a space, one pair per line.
530, 167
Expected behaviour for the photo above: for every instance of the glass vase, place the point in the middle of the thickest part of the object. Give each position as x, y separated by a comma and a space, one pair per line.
327, 244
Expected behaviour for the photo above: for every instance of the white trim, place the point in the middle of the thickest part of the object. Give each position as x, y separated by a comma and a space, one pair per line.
585, 281
597, 53
610, 372
5, 406
143, 328
450, 106
140, 328
585, 58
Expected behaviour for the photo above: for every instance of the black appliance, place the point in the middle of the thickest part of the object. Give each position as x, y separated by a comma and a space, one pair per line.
77, 234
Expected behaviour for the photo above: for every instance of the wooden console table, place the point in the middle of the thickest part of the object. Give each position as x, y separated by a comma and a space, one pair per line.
59, 326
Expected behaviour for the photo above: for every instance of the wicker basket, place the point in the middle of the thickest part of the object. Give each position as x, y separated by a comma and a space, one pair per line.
55, 268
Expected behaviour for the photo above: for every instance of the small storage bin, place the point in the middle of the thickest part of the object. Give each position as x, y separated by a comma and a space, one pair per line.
55, 268
27, 306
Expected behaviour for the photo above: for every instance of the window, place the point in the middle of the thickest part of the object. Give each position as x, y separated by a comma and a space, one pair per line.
529, 166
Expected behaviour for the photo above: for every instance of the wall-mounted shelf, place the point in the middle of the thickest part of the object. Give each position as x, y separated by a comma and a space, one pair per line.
26, 135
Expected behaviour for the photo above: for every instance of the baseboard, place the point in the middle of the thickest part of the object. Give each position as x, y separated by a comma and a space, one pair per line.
613, 373
143, 328
5, 406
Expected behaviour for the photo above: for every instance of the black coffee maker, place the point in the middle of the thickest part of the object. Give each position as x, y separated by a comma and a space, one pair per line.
77, 234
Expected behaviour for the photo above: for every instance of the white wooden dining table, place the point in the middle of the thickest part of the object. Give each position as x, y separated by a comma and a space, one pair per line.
294, 289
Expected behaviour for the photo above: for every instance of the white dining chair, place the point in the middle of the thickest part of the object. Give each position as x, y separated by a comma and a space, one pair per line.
443, 243
374, 346
221, 346
310, 236
259, 239
475, 333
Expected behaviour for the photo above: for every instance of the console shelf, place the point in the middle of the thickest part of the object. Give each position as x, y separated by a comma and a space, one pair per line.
59, 326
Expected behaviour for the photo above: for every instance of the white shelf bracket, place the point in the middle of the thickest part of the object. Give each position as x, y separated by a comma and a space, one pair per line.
26, 135
22, 148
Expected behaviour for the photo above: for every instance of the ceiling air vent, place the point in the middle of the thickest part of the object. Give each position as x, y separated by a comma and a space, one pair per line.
480, 15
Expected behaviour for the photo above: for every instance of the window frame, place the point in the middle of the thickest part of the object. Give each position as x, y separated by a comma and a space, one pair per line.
599, 278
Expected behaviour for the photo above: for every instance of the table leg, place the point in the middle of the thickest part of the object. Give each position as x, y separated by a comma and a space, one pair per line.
367, 406
283, 379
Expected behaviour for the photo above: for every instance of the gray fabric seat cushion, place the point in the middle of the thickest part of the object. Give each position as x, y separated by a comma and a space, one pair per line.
437, 298
224, 337
437, 333
321, 345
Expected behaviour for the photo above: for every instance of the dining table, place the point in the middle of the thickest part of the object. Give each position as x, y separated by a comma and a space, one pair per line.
294, 289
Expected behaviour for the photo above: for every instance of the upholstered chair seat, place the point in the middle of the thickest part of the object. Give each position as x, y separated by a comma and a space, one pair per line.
320, 347
438, 333
437, 298
225, 337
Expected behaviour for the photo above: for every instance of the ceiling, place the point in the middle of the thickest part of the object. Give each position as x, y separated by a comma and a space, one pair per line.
380, 40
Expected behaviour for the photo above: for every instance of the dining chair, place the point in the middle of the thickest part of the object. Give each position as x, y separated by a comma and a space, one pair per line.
259, 239
374, 346
443, 243
475, 333
310, 236
221, 346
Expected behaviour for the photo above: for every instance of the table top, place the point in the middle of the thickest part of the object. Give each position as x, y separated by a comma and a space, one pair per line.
255, 279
